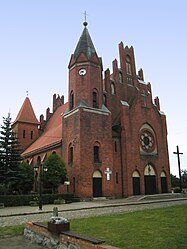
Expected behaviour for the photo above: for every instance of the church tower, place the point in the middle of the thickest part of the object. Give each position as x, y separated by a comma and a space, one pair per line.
26, 125
87, 124
85, 74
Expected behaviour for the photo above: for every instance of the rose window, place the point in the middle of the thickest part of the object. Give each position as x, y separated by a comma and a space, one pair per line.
147, 141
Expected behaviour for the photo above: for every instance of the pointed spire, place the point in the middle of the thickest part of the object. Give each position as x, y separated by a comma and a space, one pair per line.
26, 113
85, 44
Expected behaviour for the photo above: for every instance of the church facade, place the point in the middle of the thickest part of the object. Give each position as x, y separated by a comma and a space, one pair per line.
111, 134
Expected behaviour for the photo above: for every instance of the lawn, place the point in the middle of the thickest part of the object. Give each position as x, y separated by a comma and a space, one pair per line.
164, 228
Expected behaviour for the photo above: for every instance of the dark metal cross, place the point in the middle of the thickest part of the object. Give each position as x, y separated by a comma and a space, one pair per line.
178, 157
85, 15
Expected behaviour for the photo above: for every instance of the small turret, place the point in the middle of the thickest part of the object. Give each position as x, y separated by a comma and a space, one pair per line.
26, 124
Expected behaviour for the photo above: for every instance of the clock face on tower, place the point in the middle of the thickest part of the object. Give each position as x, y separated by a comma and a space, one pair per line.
82, 71
147, 141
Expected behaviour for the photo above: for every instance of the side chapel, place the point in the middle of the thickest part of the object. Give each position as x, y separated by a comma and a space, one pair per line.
111, 134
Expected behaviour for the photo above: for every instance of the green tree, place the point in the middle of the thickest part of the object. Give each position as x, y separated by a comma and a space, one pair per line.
174, 181
9, 156
56, 172
26, 178
184, 178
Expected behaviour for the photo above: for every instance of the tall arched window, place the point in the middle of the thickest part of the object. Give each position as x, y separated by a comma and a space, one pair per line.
31, 134
120, 77
113, 89
71, 100
24, 133
70, 154
104, 99
96, 153
38, 160
128, 66
95, 98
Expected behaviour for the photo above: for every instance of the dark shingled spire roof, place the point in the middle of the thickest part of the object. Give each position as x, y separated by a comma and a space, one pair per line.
85, 44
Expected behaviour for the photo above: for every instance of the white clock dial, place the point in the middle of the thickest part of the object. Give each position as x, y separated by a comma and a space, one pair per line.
82, 71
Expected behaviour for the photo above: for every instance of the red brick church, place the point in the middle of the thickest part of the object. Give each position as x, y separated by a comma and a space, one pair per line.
111, 134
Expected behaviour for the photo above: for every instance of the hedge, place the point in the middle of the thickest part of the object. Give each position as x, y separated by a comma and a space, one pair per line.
23, 200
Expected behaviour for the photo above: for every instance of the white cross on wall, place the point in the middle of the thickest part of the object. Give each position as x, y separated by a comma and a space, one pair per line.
108, 172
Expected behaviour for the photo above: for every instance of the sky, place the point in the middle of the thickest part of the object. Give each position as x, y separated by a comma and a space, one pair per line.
37, 38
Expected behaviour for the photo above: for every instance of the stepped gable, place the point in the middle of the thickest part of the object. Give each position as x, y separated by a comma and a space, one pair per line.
26, 113
51, 135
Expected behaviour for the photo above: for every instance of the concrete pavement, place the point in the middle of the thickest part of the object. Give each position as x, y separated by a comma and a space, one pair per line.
19, 215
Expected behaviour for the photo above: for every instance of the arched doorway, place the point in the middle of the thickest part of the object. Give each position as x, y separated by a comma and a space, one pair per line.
136, 182
149, 180
97, 184
163, 180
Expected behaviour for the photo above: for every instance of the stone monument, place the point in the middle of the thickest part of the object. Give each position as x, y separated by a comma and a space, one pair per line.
58, 224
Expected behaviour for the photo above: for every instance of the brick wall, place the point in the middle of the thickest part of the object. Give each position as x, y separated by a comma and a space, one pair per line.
41, 235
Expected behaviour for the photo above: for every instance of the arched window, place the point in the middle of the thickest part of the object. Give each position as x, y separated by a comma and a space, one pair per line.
73, 184
104, 99
128, 66
31, 134
71, 100
120, 77
95, 98
113, 89
96, 153
117, 178
115, 146
70, 154
54, 152
38, 160
24, 133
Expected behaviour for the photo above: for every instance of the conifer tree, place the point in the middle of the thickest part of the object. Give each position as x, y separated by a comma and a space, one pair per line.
9, 155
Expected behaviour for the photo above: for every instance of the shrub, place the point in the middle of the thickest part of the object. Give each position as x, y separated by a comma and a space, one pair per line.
176, 190
24, 200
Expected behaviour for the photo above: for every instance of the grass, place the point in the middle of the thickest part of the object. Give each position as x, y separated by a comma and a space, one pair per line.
164, 228
11, 231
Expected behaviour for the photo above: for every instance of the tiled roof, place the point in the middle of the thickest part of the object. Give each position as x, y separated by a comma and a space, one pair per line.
26, 113
52, 133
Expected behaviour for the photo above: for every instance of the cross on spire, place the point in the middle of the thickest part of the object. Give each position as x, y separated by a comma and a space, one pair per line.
85, 21
27, 92
85, 15
178, 157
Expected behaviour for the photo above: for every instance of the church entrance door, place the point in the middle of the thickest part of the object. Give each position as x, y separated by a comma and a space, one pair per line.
163, 179
97, 184
136, 183
149, 180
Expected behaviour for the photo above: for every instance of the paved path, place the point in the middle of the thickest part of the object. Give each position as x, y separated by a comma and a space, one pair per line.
19, 215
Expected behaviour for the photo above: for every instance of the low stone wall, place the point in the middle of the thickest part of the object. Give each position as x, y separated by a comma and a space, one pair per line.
66, 240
